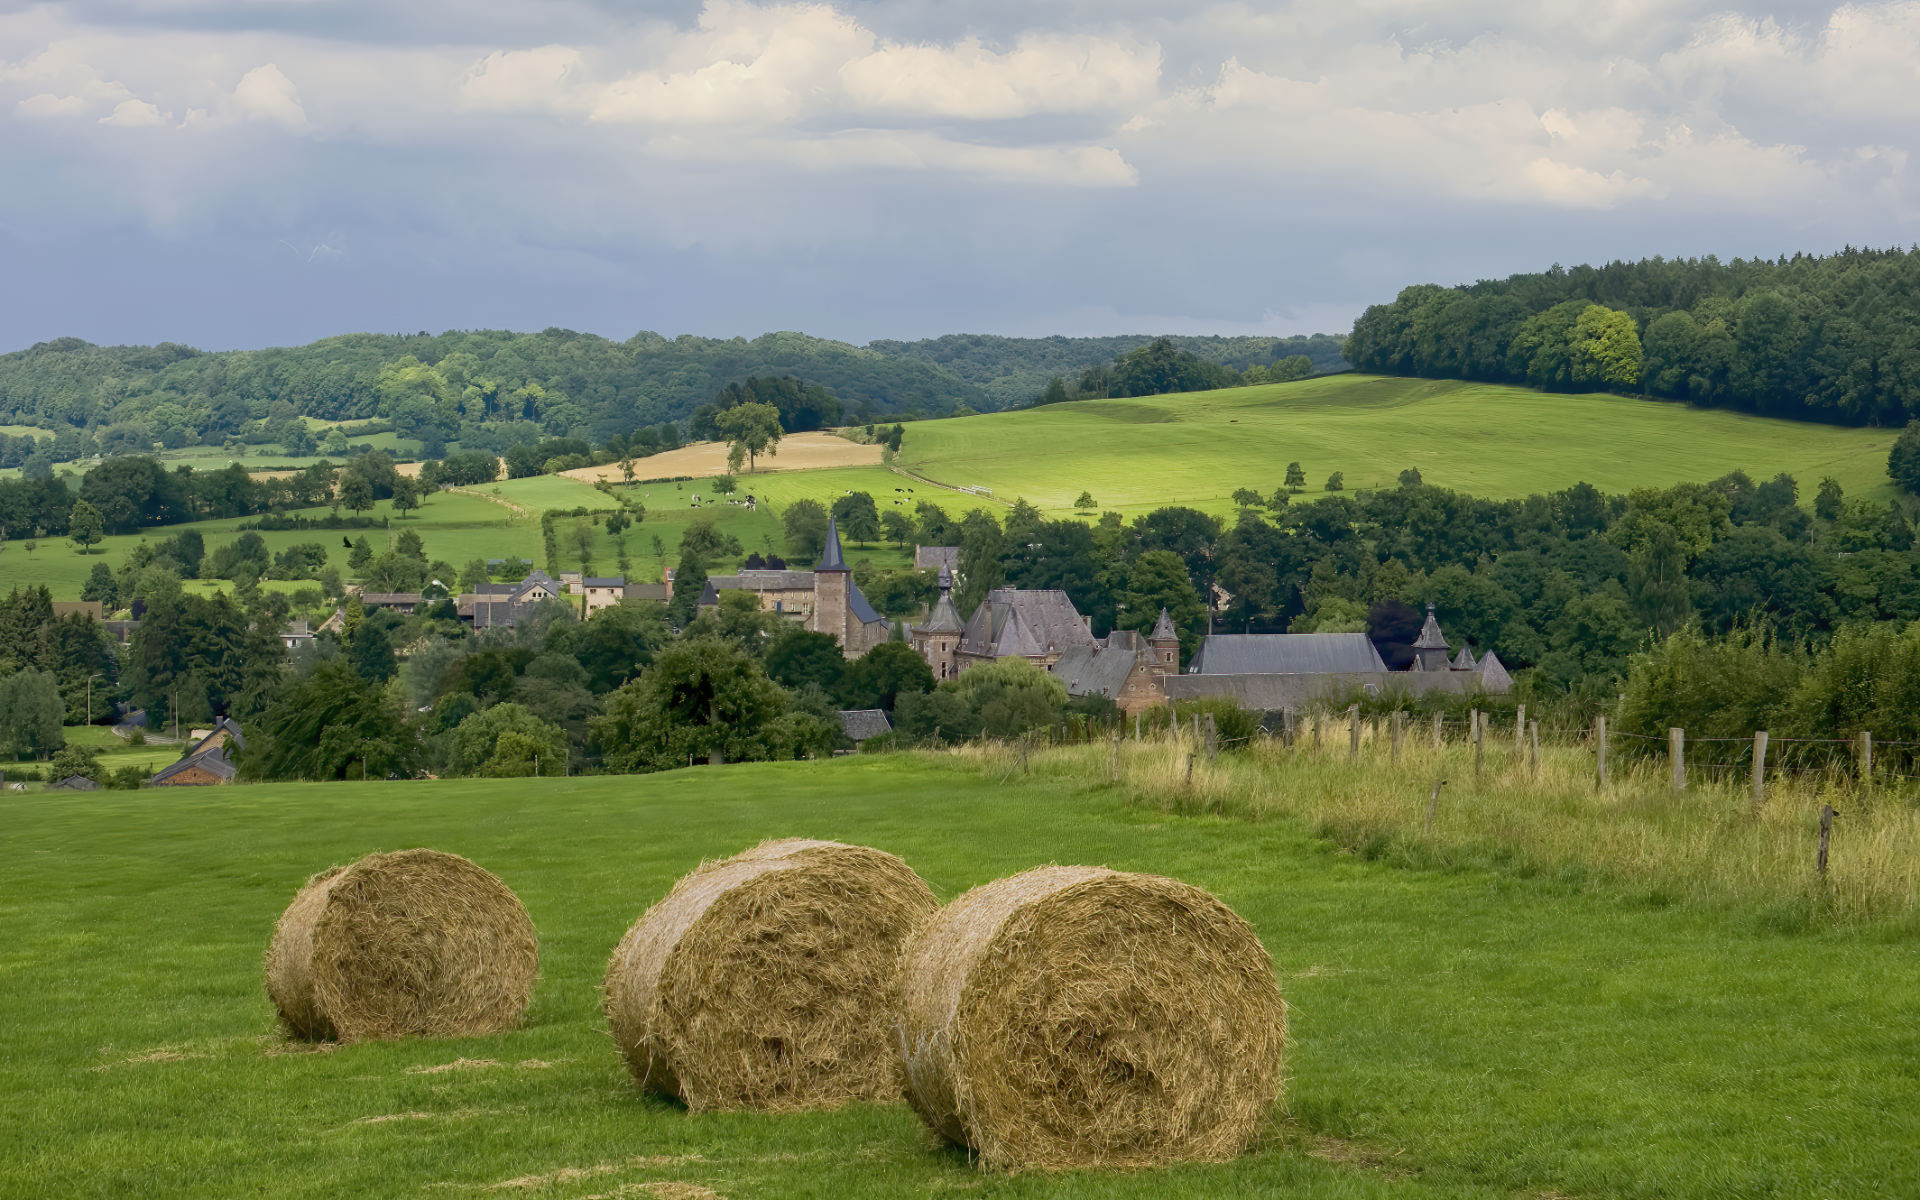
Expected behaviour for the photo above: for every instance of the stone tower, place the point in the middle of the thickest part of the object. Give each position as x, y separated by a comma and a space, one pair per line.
832, 580
939, 638
1430, 649
1165, 641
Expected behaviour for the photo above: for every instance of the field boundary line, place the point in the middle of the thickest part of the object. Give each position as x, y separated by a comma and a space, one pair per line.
897, 469
517, 510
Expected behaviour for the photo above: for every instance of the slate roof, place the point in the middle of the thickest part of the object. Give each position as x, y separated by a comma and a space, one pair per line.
609, 581
928, 558
1163, 629
831, 559
1096, 670
1024, 621
389, 599
1493, 674
1463, 661
647, 591
760, 581
857, 604
75, 783
863, 723
944, 618
1430, 636
212, 753
1285, 654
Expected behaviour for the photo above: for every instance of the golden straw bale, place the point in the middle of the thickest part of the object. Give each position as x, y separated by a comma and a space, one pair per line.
1081, 1017
415, 943
759, 982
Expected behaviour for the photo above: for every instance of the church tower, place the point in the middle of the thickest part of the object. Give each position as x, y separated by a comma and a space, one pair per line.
940, 636
1165, 641
832, 580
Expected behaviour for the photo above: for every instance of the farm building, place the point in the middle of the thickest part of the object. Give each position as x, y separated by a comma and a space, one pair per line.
1271, 672
208, 761
74, 783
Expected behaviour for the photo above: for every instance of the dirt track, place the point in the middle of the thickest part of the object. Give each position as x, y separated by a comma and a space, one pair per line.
798, 452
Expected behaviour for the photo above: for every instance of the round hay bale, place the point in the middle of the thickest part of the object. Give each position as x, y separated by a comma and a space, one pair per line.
415, 943
759, 981
1081, 1017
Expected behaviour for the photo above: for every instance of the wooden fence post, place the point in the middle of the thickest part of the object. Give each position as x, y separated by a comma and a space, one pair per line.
1353, 732
1213, 738
1136, 727
1759, 771
1533, 755
1190, 770
1677, 756
1600, 750
1439, 730
1827, 813
1115, 771
1286, 724
1479, 747
1399, 733
1433, 802
1520, 731
1316, 730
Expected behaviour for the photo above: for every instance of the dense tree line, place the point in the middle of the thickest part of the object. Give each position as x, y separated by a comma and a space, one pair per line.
1015, 370
1828, 338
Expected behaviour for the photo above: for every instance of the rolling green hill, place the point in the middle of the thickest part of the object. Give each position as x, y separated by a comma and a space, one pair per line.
1486, 439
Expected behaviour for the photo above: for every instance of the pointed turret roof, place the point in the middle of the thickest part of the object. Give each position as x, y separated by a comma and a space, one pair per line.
1430, 636
1019, 639
1463, 661
1163, 630
945, 618
831, 559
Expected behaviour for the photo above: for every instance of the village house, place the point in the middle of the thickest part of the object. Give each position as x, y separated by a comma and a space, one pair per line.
209, 760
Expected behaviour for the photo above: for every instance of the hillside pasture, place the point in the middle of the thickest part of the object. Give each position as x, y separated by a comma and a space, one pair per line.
1457, 1034
796, 452
1485, 439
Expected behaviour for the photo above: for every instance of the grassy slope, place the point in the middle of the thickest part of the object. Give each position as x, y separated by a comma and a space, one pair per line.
1455, 1035
1490, 440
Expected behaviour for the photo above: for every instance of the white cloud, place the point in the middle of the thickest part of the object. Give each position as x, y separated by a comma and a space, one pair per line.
522, 80
1039, 75
266, 94
47, 106
134, 114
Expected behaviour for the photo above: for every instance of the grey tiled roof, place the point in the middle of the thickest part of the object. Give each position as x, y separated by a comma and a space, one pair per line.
212, 753
1463, 661
863, 723
930, 558
1285, 654
1163, 628
831, 559
764, 581
1430, 636
1493, 674
1024, 621
1096, 670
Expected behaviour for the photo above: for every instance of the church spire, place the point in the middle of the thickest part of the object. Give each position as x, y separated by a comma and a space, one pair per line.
831, 559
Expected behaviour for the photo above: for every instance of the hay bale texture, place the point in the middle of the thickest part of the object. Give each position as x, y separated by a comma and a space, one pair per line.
759, 981
415, 943
1081, 1017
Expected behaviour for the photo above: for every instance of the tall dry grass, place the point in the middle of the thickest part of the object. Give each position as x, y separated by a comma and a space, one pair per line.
1706, 845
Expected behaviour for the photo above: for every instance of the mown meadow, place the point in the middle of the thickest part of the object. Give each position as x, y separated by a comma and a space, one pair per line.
1489, 440
1463, 1024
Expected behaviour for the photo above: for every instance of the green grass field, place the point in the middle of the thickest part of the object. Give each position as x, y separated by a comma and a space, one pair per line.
1486, 439
1455, 1034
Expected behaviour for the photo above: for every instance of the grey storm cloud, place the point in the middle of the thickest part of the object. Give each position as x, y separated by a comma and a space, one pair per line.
246, 173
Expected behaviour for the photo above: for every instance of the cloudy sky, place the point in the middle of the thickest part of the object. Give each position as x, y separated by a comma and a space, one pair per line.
254, 172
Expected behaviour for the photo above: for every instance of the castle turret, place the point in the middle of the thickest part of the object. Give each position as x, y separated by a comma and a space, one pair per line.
939, 637
1165, 641
1430, 649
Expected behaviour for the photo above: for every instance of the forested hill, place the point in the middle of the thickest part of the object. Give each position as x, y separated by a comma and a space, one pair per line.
1015, 370
494, 387
1833, 338
561, 380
